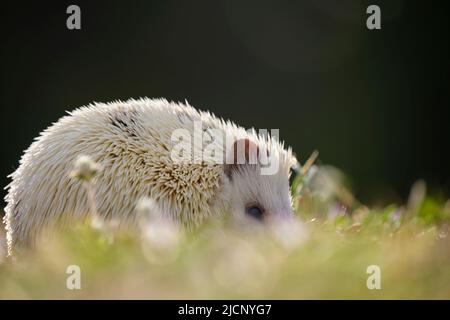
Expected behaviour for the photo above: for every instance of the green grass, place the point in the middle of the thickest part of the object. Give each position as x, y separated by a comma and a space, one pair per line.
326, 257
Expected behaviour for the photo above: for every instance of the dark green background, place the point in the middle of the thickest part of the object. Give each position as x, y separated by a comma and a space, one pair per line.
374, 103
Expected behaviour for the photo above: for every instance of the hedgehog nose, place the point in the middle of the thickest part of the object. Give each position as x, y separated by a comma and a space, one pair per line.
283, 215
288, 214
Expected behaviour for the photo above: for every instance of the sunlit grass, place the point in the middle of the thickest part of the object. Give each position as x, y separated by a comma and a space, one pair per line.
325, 254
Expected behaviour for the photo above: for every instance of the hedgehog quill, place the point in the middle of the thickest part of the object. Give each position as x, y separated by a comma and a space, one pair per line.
137, 144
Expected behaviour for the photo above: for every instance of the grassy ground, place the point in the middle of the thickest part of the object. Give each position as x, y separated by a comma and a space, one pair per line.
325, 254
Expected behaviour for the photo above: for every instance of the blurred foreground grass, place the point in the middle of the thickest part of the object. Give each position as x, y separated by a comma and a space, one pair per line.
324, 256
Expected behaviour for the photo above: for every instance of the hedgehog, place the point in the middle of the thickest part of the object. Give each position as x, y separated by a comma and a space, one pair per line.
145, 150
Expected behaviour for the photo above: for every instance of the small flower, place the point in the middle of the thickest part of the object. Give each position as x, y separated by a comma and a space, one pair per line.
97, 222
160, 235
144, 207
85, 168
160, 241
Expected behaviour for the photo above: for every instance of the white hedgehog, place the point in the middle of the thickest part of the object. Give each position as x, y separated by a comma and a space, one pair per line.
133, 141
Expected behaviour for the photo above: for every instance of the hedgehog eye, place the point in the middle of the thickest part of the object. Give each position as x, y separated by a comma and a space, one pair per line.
254, 211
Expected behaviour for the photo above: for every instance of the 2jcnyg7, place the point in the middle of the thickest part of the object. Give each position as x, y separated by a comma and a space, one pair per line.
239, 309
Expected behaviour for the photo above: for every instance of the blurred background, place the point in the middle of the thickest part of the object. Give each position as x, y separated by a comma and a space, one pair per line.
374, 103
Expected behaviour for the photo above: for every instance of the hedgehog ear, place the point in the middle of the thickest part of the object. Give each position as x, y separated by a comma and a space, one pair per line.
242, 152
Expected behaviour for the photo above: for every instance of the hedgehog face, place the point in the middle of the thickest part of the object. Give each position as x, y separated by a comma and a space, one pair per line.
258, 196
262, 197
